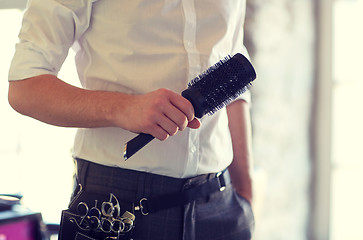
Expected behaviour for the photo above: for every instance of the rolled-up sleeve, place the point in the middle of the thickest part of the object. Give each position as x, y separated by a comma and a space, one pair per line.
49, 29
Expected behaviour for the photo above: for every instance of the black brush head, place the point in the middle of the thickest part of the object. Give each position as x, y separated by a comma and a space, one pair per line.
220, 84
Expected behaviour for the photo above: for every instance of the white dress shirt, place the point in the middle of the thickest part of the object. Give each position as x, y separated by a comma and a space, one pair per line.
137, 46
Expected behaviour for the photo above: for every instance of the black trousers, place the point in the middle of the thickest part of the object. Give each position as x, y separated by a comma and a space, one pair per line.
223, 215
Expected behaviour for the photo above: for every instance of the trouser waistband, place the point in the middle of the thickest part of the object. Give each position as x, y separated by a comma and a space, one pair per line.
150, 192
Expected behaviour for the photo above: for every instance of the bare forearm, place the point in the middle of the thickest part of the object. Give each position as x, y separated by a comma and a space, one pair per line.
240, 128
53, 101
161, 113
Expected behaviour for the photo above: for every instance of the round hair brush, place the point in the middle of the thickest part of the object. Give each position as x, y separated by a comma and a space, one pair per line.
209, 92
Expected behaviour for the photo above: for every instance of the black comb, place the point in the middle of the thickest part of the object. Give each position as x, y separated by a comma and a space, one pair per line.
209, 92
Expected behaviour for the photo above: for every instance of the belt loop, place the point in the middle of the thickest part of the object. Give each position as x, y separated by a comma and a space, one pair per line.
82, 169
140, 192
221, 181
143, 192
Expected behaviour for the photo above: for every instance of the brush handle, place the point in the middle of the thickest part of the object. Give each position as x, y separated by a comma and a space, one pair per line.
135, 144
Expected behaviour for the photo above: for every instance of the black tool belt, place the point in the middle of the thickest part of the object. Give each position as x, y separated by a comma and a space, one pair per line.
102, 216
215, 183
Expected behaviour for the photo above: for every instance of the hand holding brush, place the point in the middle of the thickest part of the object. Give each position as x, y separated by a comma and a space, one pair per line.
209, 92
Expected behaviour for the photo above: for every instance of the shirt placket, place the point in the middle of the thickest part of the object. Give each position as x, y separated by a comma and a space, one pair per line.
194, 67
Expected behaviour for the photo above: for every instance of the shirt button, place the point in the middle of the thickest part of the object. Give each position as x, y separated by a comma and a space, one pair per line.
193, 149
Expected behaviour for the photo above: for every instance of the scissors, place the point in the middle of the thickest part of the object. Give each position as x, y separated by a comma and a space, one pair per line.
110, 209
107, 219
83, 210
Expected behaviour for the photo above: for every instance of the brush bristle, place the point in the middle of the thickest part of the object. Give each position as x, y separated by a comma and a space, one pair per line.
224, 82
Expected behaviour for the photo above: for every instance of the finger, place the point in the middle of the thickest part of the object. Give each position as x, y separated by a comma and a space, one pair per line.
168, 125
176, 116
183, 105
195, 124
159, 133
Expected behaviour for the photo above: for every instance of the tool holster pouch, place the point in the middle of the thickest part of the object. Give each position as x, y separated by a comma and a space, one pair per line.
94, 216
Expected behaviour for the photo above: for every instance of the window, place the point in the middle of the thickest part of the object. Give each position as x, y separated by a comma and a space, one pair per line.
347, 157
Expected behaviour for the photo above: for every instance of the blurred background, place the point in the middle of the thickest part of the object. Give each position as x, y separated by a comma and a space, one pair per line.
307, 123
